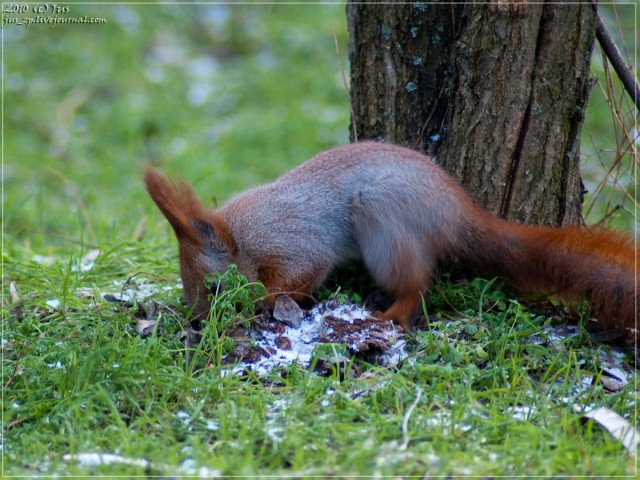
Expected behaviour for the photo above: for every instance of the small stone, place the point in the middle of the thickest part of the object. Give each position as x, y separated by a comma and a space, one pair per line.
287, 311
282, 342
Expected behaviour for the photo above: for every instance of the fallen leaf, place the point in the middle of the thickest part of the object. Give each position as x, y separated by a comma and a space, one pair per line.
618, 427
13, 292
145, 327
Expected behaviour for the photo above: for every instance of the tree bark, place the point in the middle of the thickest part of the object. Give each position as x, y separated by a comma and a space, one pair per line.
496, 91
400, 65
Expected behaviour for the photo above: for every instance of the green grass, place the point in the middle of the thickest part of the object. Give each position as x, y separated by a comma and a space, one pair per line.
80, 379
85, 108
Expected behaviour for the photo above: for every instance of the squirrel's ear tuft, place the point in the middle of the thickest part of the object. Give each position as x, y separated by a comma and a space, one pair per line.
177, 202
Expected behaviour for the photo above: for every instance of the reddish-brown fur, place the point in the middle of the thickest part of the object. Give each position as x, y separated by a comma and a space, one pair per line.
401, 214
573, 262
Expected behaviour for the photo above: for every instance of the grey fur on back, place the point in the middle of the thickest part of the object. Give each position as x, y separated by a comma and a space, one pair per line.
341, 200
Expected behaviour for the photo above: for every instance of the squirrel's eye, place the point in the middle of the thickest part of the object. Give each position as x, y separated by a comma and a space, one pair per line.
214, 287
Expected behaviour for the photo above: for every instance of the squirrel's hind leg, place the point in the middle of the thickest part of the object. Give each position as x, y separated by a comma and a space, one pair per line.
397, 262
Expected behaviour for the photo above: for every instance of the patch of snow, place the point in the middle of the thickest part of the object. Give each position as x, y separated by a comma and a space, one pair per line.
184, 417
444, 419
84, 264
94, 459
395, 354
212, 425
277, 419
87, 261
42, 260
140, 289
586, 381
53, 303
523, 412
188, 468
290, 344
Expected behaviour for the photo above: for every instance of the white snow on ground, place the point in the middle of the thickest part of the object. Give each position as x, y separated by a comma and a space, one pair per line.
298, 344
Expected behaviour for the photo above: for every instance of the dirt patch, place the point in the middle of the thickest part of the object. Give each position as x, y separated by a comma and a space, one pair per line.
270, 343
325, 337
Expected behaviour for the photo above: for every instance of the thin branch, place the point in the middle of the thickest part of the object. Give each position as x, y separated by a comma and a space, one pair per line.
624, 72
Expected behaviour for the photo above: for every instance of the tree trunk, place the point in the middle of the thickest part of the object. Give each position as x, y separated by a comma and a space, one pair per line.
496, 91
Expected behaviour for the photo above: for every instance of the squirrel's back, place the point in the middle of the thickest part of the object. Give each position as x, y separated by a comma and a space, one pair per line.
313, 208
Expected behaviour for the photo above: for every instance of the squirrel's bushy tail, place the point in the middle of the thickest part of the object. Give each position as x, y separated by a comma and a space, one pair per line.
572, 262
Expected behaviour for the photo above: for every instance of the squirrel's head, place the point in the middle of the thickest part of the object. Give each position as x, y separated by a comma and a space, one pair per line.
205, 246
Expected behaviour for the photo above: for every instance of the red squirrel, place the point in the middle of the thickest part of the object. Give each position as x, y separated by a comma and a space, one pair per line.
400, 214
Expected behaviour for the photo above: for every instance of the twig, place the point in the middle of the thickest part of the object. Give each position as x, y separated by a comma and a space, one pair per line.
615, 57
405, 420
95, 304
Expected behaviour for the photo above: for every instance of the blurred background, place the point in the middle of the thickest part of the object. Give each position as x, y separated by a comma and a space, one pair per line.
227, 96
